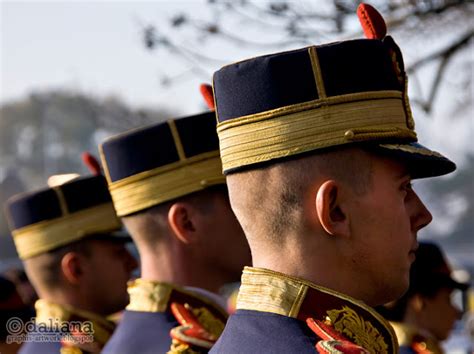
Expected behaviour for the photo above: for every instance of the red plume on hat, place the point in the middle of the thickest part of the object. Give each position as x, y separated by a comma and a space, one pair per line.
92, 163
374, 27
208, 95
372, 22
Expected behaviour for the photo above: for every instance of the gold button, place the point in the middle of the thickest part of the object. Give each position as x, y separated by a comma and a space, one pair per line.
349, 134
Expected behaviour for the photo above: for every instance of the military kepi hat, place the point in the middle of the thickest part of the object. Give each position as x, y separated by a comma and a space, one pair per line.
431, 270
49, 218
149, 166
281, 105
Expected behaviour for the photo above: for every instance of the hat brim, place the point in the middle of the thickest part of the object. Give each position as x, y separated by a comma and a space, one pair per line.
456, 285
421, 161
438, 281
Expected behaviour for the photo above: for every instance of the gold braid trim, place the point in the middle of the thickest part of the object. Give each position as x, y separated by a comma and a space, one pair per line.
181, 348
148, 296
47, 311
46, 235
348, 322
412, 149
269, 291
312, 125
153, 187
210, 323
153, 296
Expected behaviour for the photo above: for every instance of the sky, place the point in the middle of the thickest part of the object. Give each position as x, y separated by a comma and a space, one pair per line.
93, 47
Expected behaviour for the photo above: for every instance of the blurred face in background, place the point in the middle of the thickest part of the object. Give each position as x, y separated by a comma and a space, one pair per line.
438, 314
106, 273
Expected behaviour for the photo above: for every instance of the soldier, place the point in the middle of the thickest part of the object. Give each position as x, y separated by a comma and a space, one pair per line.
70, 241
425, 315
167, 185
319, 150
12, 305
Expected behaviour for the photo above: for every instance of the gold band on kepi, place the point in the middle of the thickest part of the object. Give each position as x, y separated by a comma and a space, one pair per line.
323, 123
166, 183
352, 92
162, 162
48, 235
47, 219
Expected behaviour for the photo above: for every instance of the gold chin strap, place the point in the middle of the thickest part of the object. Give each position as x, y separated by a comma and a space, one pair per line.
313, 125
149, 188
44, 236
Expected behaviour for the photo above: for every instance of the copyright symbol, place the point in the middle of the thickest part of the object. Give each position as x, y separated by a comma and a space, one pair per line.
14, 325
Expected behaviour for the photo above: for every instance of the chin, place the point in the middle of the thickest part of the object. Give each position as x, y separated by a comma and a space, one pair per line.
392, 293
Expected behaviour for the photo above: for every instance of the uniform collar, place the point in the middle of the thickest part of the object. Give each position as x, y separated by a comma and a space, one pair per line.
154, 296
269, 291
53, 315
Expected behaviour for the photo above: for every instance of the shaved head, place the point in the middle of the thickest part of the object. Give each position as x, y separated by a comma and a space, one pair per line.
44, 270
149, 227
269, 201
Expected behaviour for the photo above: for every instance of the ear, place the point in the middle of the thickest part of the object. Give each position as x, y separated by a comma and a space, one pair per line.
181, 220
417, 303
72, 268
328, 207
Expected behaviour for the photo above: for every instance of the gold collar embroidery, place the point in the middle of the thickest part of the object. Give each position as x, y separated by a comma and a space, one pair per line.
47, 312
269, 291
154, 296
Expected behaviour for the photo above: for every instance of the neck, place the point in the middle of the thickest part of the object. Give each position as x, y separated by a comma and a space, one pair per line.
180, 268
72, 297
318, 262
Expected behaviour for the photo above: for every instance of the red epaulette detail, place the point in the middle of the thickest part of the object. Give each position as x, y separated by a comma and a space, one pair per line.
208, 95
419, 346
372, 22
333, 341
91, 162
190, 331
78, 343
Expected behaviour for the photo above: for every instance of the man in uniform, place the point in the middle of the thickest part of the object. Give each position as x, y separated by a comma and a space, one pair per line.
11, 306
70, 241
425, 315
319, 150
167, 185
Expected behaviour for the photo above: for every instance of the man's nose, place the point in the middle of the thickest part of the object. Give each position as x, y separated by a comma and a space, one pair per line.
421, 215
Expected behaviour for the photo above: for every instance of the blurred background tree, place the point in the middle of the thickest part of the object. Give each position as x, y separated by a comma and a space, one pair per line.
432, 33
45, 134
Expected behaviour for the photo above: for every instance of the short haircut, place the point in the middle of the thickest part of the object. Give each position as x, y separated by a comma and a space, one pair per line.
44, 270
274, 194
147, 225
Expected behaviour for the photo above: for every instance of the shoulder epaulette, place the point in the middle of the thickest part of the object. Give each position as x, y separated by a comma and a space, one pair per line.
332, 341
198, 329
